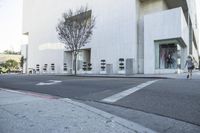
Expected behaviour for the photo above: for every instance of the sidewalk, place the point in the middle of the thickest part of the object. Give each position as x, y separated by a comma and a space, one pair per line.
22, 112
196, 75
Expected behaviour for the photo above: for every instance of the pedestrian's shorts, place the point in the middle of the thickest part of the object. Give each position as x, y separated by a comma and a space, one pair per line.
190, 68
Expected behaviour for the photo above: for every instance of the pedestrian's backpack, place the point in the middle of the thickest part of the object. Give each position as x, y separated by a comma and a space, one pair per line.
192, 65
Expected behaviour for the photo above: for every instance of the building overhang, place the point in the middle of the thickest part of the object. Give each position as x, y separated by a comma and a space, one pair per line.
177, 40
177, 3
174, 4
184, 5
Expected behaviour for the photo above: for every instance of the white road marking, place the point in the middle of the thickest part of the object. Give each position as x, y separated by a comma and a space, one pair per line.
125, 93
50, 82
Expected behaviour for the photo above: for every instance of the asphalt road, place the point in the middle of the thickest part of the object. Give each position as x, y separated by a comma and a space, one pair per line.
177, 99
70, 87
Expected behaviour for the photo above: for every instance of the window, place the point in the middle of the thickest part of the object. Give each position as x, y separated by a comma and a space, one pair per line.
167, 56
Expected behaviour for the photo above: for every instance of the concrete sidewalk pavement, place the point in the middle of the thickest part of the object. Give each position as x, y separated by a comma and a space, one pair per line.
182, 75
196, 75
22, 112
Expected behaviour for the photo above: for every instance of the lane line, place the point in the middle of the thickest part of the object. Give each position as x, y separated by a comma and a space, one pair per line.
50, 82
125, 93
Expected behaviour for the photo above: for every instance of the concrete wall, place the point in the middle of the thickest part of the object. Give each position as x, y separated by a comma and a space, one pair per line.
144, 8
114, 34
124, 29
164, 25
193, 15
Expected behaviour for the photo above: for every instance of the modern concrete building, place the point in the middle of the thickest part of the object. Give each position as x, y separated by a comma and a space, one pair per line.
24, 53
130, 36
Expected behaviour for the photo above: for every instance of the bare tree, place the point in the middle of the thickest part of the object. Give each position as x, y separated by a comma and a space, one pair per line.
75, 30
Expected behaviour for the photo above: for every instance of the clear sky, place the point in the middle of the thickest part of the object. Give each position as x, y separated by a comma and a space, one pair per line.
11, 24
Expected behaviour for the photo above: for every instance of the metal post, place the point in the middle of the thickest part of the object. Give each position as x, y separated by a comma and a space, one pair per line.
178, 59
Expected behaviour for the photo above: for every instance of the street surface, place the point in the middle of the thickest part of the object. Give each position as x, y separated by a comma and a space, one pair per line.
163, 105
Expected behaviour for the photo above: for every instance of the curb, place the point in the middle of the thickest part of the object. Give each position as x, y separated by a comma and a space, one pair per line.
112, 118
107, 76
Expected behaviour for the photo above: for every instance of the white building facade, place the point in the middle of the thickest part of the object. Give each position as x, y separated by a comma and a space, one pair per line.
130, 36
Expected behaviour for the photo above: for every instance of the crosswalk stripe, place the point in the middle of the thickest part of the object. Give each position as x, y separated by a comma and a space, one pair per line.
125, 93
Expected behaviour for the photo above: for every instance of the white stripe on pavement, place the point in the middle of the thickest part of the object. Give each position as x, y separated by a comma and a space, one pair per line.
50, 82
125, 93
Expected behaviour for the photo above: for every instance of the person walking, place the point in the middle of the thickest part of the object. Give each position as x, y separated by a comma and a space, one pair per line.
190, 66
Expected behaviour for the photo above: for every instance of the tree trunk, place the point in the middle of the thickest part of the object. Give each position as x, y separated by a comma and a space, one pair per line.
75, 57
